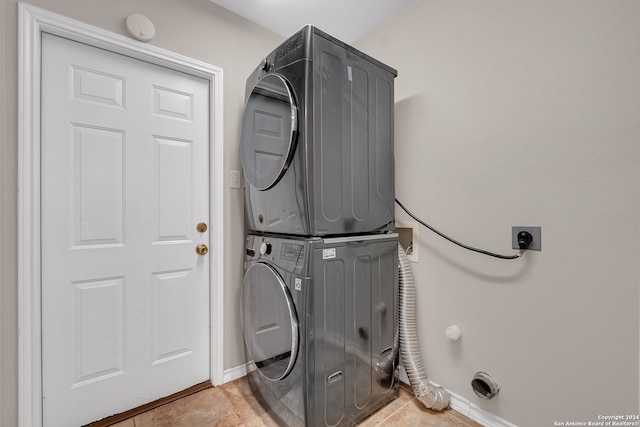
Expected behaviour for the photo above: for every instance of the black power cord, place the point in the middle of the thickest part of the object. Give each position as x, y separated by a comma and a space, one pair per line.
462, 245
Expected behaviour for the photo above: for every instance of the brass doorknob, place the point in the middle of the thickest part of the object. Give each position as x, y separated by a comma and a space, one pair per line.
202, 249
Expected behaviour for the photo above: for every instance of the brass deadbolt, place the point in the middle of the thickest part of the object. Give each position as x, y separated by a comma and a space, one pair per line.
202, 249
201, 227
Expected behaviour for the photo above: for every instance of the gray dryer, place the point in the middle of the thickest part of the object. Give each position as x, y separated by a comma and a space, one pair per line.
317, 140
320, 326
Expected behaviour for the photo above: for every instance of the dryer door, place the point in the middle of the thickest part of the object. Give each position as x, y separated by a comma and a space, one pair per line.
270, 322
269, 132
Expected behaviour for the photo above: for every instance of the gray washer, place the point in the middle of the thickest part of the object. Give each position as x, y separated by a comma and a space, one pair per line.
320, 326
317, 140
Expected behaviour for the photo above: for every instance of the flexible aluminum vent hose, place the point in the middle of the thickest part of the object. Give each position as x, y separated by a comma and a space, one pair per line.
432, 396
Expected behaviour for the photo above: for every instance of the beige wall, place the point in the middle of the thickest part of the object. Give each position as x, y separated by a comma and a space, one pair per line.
524, 113
195, 28
507, 113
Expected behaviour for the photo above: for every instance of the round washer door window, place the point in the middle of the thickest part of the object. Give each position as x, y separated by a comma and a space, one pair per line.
269, 130
270, 322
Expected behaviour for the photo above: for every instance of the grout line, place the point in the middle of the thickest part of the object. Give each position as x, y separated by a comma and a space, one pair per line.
382, 423
240, 397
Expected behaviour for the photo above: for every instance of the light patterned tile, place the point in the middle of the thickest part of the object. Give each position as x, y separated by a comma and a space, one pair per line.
243, 401
383, 413
264, 421
463, 420
125, 423
233, 405
227, 420
414, 413
209, 407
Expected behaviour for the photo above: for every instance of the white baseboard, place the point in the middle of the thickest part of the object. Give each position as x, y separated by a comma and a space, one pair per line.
468, 409
232, 374
477, 414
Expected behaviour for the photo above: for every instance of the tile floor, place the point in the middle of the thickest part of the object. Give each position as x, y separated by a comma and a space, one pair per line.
233, 405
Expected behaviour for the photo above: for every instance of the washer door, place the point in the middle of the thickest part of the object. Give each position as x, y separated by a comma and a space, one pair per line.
269, 131
270, 322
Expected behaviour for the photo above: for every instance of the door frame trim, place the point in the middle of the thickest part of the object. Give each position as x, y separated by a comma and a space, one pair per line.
33, 21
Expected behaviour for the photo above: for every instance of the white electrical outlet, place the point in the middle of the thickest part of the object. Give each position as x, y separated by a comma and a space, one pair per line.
235, 179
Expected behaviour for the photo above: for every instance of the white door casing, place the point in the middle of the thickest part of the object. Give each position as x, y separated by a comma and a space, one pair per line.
125, 181
33, 23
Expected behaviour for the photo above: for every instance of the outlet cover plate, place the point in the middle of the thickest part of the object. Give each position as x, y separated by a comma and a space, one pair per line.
536, 232
235, 179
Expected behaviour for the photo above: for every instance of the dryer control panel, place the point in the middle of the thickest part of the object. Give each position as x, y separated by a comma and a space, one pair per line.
287, 253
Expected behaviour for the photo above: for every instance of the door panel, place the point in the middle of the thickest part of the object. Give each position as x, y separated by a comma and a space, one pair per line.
125, 181
98, 156
98, 320
172, 164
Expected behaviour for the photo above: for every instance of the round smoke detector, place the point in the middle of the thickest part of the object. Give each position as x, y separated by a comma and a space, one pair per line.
140, 27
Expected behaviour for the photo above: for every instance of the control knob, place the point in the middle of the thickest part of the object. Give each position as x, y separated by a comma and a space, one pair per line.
265, 248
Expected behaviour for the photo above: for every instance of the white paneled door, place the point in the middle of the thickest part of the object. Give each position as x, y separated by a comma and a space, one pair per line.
125, 183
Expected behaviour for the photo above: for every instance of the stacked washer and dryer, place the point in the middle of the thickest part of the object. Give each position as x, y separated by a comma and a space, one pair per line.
320, 290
